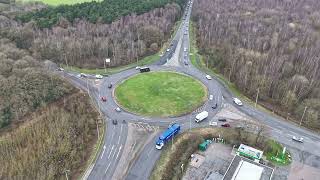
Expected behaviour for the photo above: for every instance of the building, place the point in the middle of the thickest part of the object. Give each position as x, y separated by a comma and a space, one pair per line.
249, 152
242, 168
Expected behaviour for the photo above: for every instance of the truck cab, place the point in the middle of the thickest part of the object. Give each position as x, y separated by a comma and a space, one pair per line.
159, 144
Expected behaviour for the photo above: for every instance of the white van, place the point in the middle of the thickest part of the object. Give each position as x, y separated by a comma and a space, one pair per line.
201, 116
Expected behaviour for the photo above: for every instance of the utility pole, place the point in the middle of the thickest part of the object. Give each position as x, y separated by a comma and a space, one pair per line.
66, 171
303, 114
255, 105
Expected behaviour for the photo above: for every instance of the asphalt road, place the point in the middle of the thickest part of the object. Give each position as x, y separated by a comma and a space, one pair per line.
116, 135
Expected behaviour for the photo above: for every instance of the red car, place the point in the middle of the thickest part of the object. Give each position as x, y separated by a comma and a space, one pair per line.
103, 98
225, 125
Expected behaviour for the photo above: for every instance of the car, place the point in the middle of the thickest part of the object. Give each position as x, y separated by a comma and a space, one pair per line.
98, 76
103, 98
211, 97
186, 63
114, 121
222, 119
300, 140
83, 75
213, 123
138, 67
110, 86
215, 106
225, 125
185, 49
60, 69
237, 101
208, 77
168, 50
105, 75
118, 109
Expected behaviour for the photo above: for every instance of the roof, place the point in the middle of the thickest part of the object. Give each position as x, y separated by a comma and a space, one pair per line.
246, 171
250, 151
169, 131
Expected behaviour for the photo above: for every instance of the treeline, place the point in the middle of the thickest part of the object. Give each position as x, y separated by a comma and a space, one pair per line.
106, 11
25, 85
52, 143
266, 47
85, 44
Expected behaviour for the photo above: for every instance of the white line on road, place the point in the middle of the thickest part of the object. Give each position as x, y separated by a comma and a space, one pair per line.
110, 151
104, 149
118, 152
120, 134
107, 167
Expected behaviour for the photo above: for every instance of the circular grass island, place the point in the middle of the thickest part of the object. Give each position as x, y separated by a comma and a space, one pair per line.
160, 94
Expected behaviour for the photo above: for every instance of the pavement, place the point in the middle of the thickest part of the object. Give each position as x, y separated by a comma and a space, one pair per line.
116, 135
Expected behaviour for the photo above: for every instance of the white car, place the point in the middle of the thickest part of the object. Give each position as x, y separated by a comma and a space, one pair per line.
297, 139
211, 97
138, 67
82, 75
208, 77
213, 123
118, 109
168, 50
237, 101
185, 49
98, 76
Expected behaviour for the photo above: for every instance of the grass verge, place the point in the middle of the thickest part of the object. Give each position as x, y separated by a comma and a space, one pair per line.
58, 2
274, 154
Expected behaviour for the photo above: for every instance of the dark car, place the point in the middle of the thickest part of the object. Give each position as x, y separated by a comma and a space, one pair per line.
110, 86
104, 98
222, 120
186, 63
144, 69
225, 125
114, 121
105, 75
215, 106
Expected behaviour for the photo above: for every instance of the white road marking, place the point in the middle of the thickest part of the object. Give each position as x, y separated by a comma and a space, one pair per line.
120, 134
107, 168
104, 149
110, 151
118, 152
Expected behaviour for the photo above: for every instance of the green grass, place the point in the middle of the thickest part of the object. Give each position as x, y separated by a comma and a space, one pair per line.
59, 2
161, 94
274, 149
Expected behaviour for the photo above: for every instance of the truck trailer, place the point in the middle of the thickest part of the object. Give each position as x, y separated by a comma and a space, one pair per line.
201, 116
167, 135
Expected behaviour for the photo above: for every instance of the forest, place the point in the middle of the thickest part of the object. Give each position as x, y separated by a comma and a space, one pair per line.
266, 48
86, 44
106, 11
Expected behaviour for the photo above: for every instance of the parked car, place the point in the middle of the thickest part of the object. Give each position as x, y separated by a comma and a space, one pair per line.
300, 140
98, 76
237, 101
110, 86
103, 98
208, 77
118, 109
60, 69
222, 119
225, 125
215, 106
114, 121
213, 123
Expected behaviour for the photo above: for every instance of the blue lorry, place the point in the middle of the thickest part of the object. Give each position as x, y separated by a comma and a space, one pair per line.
167, 135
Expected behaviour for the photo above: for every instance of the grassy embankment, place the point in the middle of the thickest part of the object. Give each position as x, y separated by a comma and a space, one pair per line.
187, 143
161, 94
55, 139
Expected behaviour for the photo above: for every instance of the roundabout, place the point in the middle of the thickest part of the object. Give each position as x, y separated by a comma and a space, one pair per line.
160, 94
